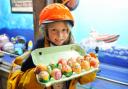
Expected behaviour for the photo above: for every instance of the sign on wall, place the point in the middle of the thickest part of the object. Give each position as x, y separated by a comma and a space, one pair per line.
21, 6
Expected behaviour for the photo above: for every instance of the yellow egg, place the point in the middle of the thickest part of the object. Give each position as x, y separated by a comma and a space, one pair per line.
76, 67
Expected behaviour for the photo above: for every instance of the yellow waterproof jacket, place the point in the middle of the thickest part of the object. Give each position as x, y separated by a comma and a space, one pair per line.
27, 80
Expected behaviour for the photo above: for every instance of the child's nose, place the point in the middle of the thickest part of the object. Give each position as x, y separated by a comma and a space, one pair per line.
60, 35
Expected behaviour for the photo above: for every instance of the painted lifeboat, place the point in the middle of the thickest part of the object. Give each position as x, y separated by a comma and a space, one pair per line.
107, 38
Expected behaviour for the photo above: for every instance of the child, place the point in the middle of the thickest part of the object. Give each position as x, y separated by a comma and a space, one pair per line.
56, 21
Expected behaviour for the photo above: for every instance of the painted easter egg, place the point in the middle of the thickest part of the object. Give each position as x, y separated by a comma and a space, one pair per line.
56, 74
44, 76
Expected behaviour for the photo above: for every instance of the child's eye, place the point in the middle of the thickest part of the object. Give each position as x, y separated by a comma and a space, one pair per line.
53, 29
64, 30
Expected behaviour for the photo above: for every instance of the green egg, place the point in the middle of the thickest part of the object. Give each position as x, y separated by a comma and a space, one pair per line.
68, 74
44, 81
53, 66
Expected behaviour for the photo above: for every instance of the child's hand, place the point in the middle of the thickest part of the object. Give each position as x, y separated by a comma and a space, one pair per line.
19, 60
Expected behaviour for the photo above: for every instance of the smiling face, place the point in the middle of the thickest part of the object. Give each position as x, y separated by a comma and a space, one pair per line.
58, 32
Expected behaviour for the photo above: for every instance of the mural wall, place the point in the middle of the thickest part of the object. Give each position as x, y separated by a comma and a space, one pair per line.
15, 23
16, 29
103, 24
99, 25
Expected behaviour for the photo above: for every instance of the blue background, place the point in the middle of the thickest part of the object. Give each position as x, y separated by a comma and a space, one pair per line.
14, 24
106, 16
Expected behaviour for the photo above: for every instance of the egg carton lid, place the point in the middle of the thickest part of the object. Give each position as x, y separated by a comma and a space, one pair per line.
46, 55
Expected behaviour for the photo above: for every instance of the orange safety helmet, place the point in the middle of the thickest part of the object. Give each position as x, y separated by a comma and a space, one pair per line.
55, 12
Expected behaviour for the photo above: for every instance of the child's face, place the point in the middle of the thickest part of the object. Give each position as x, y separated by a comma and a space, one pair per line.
58, 32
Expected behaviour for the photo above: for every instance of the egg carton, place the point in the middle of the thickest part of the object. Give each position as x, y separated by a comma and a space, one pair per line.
46, 55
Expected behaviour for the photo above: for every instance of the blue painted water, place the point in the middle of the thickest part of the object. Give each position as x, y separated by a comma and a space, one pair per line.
118, 57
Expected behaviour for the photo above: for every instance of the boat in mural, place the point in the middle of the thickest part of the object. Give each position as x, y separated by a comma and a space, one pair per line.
107, 38
100, 40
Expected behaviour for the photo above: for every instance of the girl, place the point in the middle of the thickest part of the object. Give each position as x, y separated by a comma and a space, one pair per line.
56, 21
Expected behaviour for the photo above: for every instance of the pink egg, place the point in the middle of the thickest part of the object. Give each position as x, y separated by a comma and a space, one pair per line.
56, 74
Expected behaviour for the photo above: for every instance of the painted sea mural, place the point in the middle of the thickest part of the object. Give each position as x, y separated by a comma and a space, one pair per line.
103, 24
106, 19
14, 24
101, 27
16, 29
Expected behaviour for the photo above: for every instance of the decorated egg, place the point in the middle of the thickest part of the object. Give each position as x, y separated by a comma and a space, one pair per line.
56, 73
8, 47
62, 61
79, 59
76, 67
71, 61
93, 55
85, 65
3, 40
87, 57
53, 65
44, 76
40, 68
67, 70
